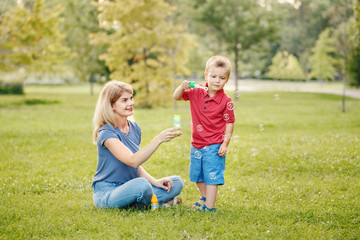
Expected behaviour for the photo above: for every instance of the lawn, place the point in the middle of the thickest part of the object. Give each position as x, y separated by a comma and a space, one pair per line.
292, 172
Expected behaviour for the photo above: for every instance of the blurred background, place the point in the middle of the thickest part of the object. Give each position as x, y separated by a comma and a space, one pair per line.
155, 44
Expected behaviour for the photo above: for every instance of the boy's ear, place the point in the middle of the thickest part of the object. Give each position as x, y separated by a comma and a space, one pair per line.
205, 74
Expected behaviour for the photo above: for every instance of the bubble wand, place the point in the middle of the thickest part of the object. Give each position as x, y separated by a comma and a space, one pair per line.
193, 85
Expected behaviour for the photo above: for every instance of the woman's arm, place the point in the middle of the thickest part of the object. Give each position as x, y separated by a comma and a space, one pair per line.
123, 154
164, 183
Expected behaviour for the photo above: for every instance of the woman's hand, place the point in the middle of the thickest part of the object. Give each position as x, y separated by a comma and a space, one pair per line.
169, 134
164, 183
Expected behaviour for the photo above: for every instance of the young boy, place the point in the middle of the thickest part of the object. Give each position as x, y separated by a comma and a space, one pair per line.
212, 113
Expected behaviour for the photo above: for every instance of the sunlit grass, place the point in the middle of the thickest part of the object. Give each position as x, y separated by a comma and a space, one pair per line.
292, 172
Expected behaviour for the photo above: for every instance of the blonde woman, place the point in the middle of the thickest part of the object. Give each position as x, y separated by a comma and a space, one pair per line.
120, 181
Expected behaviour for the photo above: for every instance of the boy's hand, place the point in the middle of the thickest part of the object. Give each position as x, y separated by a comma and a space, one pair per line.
185, 85
223, 150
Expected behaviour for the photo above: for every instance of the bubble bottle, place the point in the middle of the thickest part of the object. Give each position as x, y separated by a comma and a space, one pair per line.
193, 85
154, 203
177, 121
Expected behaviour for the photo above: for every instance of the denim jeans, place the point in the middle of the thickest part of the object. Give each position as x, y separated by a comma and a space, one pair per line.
135, 192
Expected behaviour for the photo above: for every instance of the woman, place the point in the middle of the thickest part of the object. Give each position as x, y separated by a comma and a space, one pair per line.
120, 180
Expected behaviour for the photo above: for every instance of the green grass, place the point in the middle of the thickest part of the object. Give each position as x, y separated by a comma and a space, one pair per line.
293, 170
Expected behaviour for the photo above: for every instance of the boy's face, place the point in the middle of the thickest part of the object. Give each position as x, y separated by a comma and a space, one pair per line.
216, 78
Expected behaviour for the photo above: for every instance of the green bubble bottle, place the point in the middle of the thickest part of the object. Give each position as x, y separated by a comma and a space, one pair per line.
154, 203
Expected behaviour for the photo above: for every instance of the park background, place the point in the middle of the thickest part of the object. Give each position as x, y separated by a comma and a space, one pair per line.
293, 165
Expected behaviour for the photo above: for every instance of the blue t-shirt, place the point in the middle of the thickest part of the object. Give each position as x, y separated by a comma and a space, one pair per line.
109, 168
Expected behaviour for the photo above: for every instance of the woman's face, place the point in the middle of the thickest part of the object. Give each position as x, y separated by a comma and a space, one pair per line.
124, 106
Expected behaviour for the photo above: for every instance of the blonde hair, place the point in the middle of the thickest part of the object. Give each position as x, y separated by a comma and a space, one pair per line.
104, 114
218, 61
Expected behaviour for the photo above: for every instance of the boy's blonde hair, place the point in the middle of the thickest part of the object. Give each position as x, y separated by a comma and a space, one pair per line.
104, 114
218, 61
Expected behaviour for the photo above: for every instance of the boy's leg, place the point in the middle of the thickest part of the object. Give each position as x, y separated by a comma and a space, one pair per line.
213, 168
196, 171
202, 189
211, 192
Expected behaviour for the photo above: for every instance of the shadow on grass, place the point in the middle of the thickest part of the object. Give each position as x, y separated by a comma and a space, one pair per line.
29, 102
40, 101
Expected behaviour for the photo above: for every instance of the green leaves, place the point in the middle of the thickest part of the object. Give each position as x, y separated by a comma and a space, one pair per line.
32, 40
285, 66
323, 60
145, 48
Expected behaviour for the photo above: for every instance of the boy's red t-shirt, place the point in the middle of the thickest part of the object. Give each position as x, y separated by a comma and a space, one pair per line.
209, 116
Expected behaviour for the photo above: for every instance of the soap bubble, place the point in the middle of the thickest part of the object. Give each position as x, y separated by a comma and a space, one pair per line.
277, 96
236, 139
212, 175
199, 128
261, 127
237, 94
254, 152
206, 148
197, 154
226, 117
230, 106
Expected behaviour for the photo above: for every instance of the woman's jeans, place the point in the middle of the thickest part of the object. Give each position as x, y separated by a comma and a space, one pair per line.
136, 192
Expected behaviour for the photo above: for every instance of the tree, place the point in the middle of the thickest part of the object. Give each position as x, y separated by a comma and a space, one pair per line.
239, 25
285, 66
143, 47
322, 60
78, 28
31, 39
354, 35
356, 28
303, 22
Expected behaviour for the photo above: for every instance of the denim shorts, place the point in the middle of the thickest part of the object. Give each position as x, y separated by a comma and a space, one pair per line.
206, 165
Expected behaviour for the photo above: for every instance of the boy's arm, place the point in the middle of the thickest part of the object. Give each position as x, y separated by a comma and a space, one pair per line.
227, 136
180, 90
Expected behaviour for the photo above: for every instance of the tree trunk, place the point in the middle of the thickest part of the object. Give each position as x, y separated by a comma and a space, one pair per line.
236, 51
345, 57
344, 85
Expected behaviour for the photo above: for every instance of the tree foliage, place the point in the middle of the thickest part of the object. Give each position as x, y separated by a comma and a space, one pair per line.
31, 39
323, 59
285, 66
144, 47
238, 24
78, 28
356, 27
354, 58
